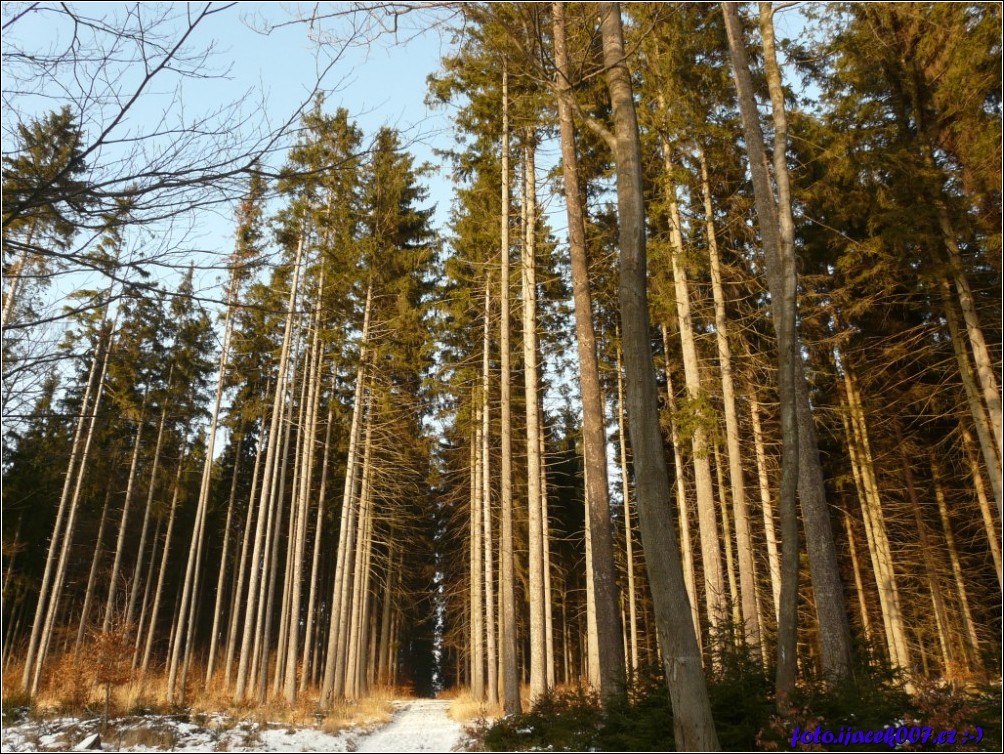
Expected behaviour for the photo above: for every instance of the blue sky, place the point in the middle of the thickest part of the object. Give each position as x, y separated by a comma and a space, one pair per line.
266, 62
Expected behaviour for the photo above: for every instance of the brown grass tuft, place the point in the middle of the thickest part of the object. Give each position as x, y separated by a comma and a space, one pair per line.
466, 708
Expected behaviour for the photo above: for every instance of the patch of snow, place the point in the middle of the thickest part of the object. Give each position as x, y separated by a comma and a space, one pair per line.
418, 725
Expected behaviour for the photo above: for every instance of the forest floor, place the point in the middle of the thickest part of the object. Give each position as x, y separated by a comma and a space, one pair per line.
417, 725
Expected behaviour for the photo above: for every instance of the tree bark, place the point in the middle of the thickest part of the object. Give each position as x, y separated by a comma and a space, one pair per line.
693, 723
538, 648
737, 484
507, 626
610, 679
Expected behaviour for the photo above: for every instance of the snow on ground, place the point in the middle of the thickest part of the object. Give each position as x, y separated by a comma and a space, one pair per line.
418, 725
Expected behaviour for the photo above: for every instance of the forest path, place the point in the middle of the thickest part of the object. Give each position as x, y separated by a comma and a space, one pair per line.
418, 725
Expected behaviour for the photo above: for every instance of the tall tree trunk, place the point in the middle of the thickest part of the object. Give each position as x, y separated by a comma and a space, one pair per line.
610, 679
298, 546
224, 556
632, 598
249, 519
162, 572
507, 575
981, 496
859, 447
538, 648
85, 611
682, 503
154, 468
312, 619
55, 590
968, 625
984, 431
711, 553
334, 669
776, 233
927, 553
693, 724
113, 577
488, 565
737, 485
773, 557
267, 483
859, 587
476, 553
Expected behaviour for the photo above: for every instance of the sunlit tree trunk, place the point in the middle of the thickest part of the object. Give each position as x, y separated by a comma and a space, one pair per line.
773, 557
981, 496
632, 598
162, 572
267, 485
737, 484
610, 678
682, 504
711, 551
491, 649
984, 430
113, 577
509, 676
968, 625
49, 596
538, 648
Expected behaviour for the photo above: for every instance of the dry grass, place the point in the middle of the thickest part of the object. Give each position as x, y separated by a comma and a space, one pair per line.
466, 708
70, 687
367, 713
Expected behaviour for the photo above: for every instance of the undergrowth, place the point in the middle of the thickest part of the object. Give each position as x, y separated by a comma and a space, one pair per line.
746, 718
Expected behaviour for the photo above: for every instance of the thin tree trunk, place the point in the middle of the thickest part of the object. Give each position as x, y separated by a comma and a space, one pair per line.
45, 589
888, 588
488, 565
224, 555
866, 623
249, 518
711, 553
334, 671
927, 553
267, 483
773, 557
154, 468
981, 496
85, 611
312, 623
298, 546
730, 559
159, 591
123, 524
737, 484
978, 346
632, 597
991, 455
56, 589
968, 625
477, 550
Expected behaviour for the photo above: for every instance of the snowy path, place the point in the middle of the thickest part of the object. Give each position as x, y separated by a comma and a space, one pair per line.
418, 725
